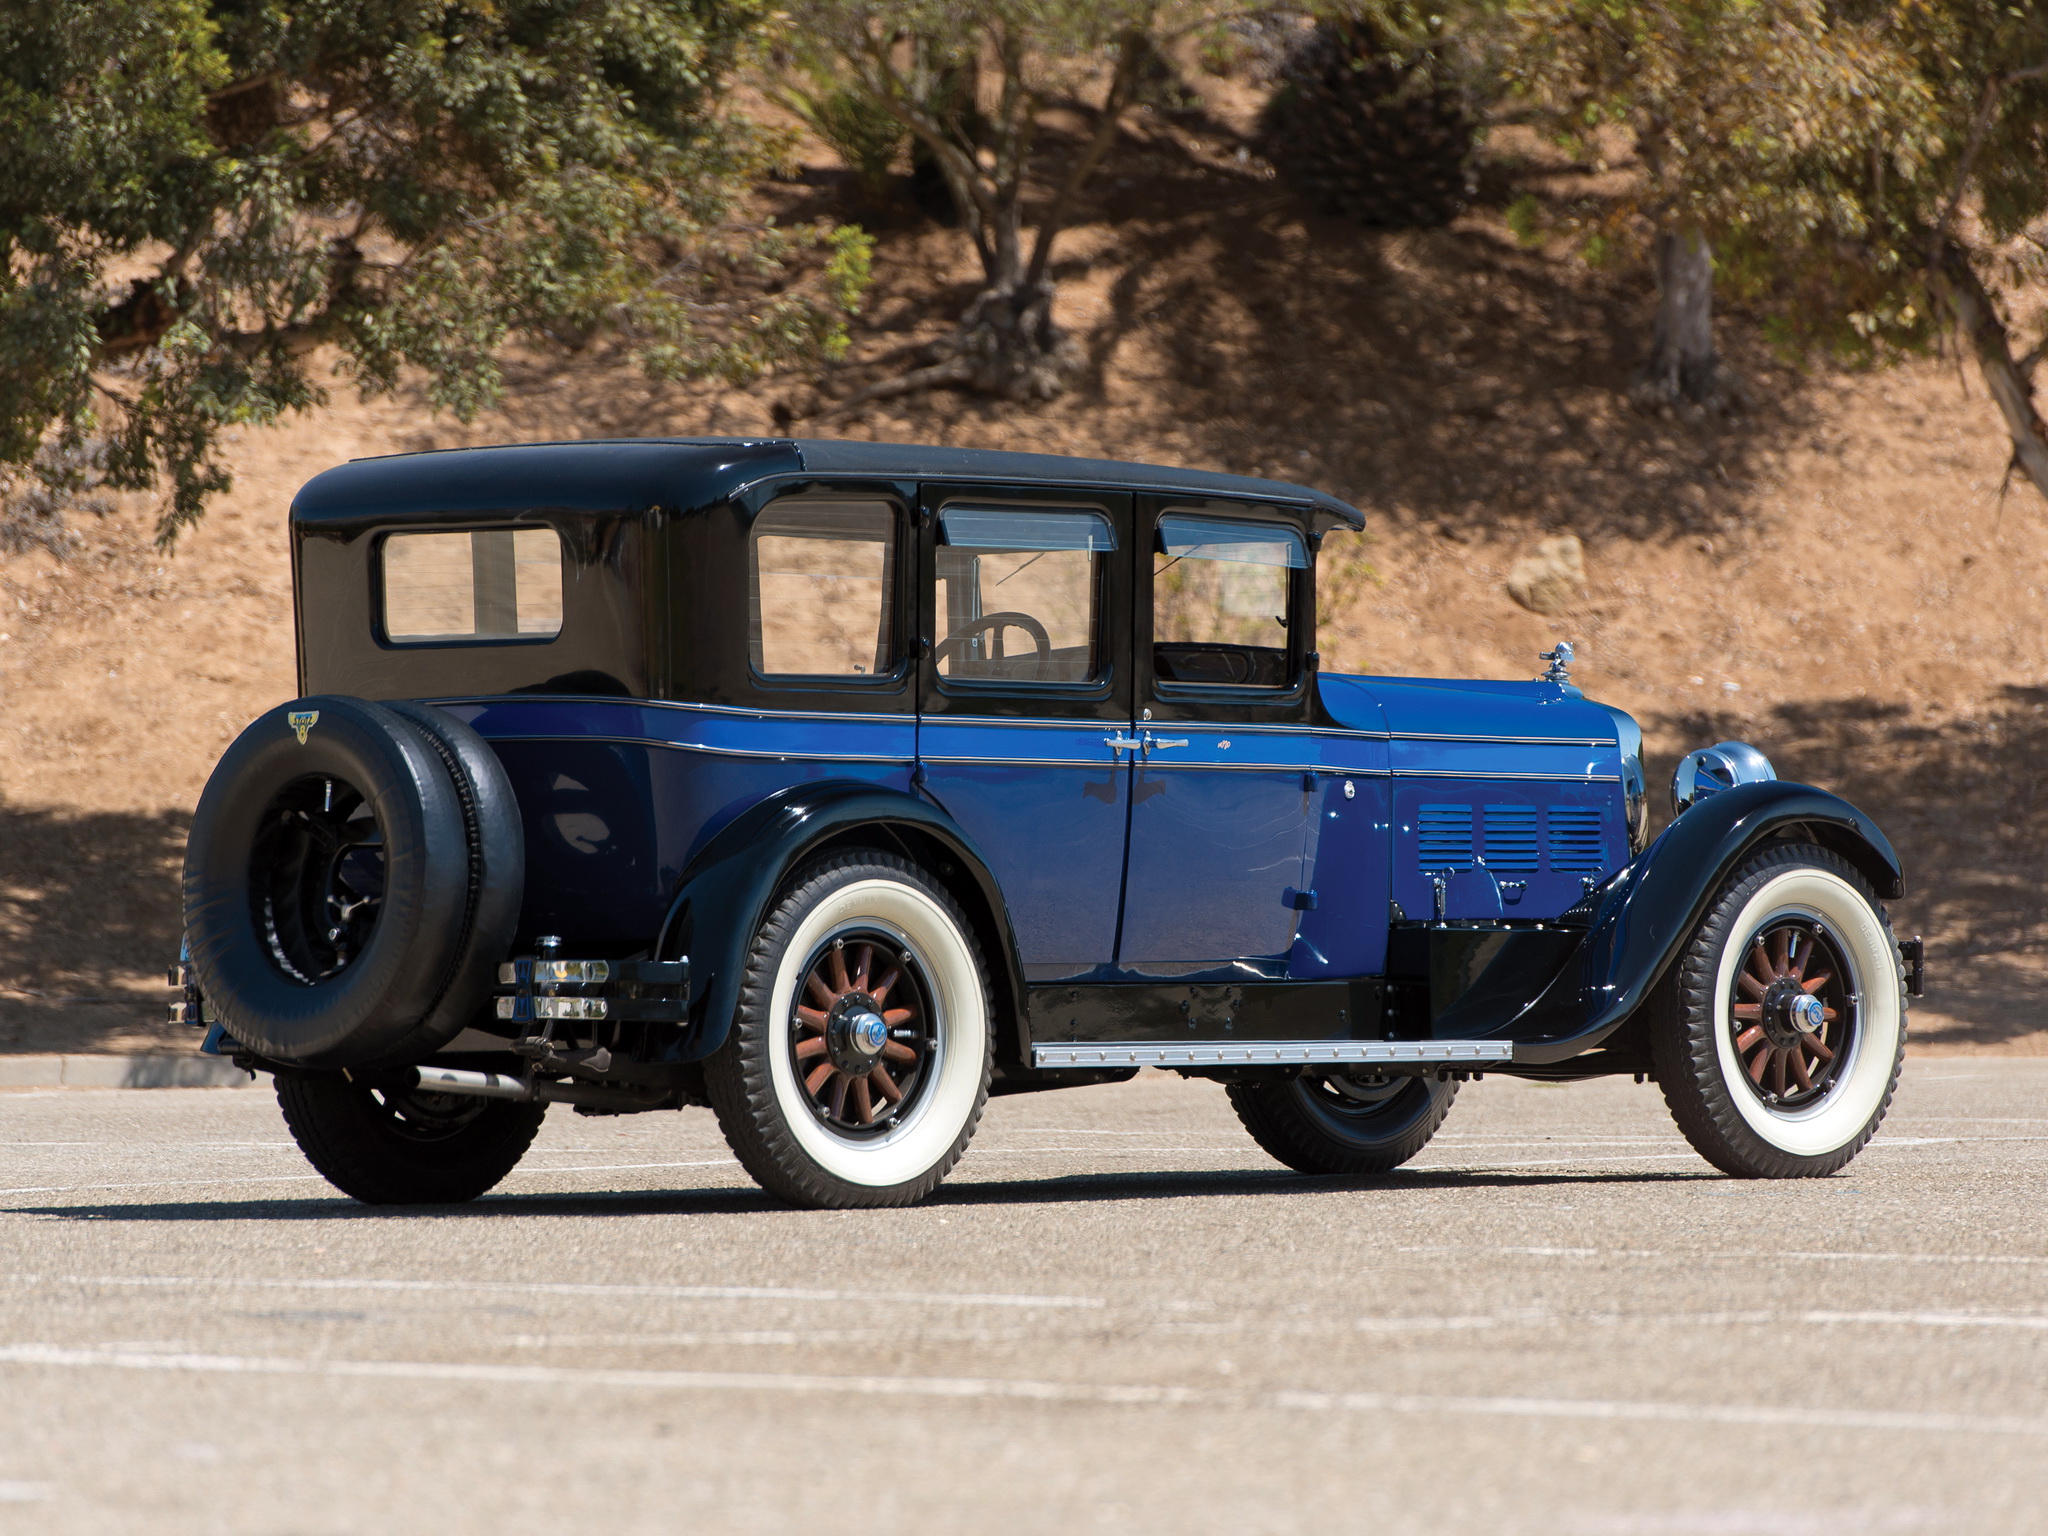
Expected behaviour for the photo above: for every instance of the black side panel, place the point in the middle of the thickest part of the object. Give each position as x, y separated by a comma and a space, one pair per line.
601, 649
1257, 1010
611, 502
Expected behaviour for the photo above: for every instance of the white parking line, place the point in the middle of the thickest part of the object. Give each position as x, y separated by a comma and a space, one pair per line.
1747, 1256
1556, 1162
1774, 1416
2028, 1320
566, 1288
77, 1189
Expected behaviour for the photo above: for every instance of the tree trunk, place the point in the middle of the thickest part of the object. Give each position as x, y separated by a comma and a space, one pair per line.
2010, 385
1009, 346
1683, 369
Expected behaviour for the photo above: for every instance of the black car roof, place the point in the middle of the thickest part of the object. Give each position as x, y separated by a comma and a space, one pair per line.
612, 473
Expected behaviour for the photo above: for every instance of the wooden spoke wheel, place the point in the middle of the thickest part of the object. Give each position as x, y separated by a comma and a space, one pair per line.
861, 1034
1779, 1034
1794, 1013
860, 1055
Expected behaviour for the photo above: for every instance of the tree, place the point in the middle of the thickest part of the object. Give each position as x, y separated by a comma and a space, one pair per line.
197, 193
1737, 114
1975, 209
972, 81
1871, 175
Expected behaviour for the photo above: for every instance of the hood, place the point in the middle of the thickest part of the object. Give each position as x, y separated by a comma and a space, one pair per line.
1448, 707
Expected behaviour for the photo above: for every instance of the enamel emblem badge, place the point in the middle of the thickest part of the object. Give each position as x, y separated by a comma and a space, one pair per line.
302, 721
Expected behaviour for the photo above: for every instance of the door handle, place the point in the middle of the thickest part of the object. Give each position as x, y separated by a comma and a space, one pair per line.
1120, 743
1161, 743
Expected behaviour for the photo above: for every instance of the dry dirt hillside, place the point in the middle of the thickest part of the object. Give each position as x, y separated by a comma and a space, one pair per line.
1832, 575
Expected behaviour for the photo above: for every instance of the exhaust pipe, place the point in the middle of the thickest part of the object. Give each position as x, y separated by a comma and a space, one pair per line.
499, 1085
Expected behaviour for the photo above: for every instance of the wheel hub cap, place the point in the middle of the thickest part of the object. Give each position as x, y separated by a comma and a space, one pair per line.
866, 1033
1789, 1013
1807, 1013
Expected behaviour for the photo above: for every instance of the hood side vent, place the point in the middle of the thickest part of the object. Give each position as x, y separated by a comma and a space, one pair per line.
1444, 838
1511, 837
1576, 843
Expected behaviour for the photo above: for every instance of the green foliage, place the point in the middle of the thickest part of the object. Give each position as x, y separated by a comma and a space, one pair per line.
972, 81
867, 136
418, 182
1373, 125
1825, 149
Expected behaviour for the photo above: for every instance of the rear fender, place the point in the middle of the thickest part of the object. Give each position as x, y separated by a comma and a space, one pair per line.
1640, 919
726, 892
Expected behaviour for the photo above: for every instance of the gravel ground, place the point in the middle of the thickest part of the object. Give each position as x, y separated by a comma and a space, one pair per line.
1119, 1315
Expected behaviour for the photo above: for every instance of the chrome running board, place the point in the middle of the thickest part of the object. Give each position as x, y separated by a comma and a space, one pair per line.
1260, 1053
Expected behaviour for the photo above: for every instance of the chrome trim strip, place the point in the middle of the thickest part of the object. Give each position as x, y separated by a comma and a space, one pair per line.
1509, 741
1020, 762
1252, 1053
997, 722
698, 746
1473, 773
736, 710
744, 711
984, 722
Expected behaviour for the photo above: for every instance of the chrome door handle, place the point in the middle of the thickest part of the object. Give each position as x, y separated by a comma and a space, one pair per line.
1160, 743
1120, 743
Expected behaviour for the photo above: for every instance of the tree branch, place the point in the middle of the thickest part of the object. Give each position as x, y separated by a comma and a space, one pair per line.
1979, 127
253, 83
1977, 318
1122, 85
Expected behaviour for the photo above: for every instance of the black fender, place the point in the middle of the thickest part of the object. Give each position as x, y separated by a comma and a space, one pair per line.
1639, 920
724, 894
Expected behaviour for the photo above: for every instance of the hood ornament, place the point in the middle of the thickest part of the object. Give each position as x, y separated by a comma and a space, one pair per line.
1560, 659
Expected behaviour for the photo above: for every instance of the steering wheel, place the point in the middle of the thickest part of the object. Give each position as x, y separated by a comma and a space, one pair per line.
995, 624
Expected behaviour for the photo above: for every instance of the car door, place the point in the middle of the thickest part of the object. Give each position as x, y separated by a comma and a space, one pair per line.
1225, 773
1025, 704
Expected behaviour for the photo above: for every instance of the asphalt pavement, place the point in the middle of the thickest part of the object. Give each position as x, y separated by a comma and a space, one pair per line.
1119, 1315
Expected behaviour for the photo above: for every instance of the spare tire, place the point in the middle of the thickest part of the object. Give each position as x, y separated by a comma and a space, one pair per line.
497, 866
345, 887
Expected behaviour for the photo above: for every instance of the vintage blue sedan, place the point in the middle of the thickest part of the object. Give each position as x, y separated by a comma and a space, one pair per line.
836, 786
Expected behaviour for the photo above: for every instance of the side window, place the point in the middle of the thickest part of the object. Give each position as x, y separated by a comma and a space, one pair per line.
1018, 593
487, 584
1221, 594
823, 575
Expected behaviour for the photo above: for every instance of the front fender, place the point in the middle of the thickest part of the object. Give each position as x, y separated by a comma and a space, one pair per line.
724, 894
1639, 920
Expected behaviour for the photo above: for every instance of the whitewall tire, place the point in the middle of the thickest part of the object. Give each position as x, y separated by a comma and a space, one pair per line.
859, 1061
1779, 1038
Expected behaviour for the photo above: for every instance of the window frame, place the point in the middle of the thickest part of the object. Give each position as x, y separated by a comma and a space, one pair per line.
898, 559
1300, 602
1099, 641
380, 627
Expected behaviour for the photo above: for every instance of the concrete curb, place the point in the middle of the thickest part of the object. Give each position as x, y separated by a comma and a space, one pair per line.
141, 1069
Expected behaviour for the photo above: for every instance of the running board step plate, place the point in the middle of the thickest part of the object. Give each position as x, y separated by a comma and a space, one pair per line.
1261, 1053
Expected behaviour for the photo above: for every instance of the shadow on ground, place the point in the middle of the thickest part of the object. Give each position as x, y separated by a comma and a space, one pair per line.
1074, 1189
89, 918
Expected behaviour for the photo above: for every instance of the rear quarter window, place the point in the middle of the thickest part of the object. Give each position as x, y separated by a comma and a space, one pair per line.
481, 584
823, 575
